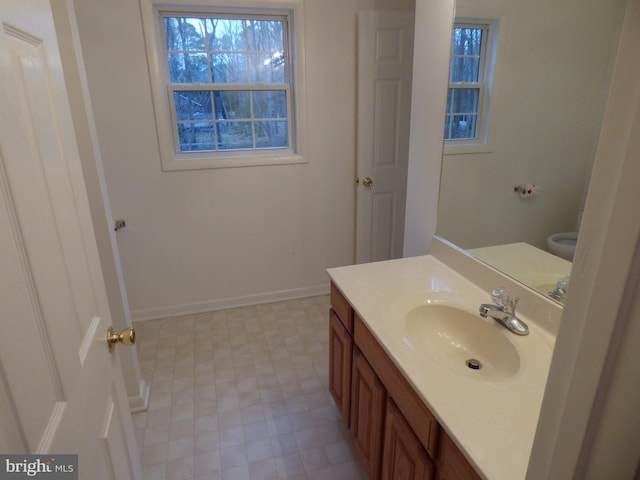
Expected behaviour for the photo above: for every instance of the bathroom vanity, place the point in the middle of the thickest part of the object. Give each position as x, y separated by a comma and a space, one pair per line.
399, 334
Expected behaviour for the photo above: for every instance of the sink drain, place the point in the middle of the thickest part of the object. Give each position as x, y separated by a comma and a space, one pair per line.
474, 364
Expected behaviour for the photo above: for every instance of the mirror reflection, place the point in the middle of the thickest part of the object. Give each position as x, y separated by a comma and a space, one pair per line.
528, 88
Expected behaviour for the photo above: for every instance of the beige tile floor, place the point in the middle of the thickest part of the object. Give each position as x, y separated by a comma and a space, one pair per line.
242, 394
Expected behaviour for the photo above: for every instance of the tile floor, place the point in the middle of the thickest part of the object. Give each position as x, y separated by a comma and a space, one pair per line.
242, 394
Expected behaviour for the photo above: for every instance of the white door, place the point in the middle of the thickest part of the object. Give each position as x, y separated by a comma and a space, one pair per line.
385, 61
61, 391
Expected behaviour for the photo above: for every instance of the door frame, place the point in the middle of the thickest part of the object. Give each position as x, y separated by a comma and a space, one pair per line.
137, 388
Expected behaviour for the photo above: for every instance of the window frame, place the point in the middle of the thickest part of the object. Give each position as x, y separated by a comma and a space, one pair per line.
483, 141
162, 88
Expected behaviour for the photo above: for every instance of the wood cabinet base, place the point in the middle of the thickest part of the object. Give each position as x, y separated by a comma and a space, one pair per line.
395, 434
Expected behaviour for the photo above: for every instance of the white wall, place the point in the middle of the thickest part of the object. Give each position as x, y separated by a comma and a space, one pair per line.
198, 240
429, 93
550, 83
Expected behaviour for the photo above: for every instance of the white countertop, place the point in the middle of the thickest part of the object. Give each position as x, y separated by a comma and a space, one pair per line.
492, 422
530, 265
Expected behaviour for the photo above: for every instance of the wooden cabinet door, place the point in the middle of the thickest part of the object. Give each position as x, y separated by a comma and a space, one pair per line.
340, 351
368, 398
413, 408
452, 464
404, 456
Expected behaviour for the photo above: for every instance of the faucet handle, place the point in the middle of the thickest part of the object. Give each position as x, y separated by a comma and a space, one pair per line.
501, 297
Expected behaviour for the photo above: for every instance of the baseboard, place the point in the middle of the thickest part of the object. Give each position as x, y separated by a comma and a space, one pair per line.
220, 304
139, 403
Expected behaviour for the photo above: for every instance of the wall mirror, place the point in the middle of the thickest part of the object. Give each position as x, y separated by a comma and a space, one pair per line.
548, 71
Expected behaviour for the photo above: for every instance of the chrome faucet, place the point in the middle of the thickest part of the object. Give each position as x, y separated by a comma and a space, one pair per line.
559, 293
504, 311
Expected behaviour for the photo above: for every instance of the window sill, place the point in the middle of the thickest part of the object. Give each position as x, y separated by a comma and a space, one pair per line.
254, 160
468, 148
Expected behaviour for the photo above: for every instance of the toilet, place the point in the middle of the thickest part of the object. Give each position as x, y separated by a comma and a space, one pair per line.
563, 244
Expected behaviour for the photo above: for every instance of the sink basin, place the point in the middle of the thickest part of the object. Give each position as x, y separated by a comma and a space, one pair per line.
463, 342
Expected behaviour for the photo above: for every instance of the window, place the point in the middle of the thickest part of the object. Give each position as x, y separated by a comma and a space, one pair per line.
224, 86
469, 85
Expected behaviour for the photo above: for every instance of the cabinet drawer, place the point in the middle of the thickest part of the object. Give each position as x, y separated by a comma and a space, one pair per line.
424, 424
342, 308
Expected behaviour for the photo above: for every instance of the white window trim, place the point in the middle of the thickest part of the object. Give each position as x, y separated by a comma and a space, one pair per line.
154, 38
484, 142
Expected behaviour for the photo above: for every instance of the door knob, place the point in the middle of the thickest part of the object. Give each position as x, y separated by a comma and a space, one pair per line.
126, 336
367, 182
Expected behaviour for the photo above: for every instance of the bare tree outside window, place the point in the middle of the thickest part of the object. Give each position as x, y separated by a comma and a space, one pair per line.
466, 81
229, 82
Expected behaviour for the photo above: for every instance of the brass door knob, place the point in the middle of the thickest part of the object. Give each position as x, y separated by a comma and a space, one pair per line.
367, 182
126, 336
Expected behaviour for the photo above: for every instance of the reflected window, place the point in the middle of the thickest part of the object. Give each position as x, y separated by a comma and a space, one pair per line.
469, 82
